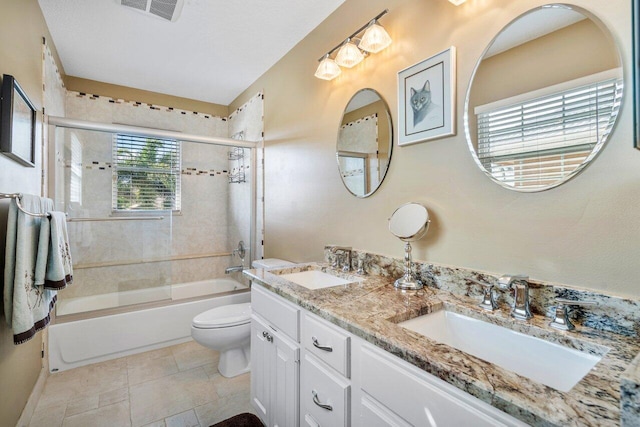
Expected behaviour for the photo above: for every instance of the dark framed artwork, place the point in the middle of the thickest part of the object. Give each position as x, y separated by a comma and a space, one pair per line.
636, 72
17, 123
426, 99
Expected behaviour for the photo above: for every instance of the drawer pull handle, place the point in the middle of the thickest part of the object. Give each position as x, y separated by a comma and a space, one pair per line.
321, 347
317, 401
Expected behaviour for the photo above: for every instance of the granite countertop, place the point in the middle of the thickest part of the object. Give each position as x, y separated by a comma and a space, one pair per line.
371, 308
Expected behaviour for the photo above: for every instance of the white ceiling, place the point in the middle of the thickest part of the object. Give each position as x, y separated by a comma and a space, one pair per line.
213, 52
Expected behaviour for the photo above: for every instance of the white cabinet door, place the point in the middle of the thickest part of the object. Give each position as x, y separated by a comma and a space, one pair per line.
420, 398
285, 371
375, 414
261, 360
324, 396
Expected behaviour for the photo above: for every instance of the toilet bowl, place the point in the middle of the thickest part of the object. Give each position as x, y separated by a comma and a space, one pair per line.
227, 329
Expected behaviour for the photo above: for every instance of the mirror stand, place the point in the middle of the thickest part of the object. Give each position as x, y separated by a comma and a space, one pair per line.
408, 281
409, 223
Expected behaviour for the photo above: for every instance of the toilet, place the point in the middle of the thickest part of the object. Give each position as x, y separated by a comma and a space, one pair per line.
227, 329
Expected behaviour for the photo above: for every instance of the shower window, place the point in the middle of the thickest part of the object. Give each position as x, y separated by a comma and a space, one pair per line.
146, 173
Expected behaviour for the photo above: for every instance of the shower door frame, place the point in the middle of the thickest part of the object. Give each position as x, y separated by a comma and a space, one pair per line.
54, 122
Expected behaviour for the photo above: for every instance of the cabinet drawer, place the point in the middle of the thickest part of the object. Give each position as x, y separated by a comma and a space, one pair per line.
321, 387
421, 398
280, 313
327, 342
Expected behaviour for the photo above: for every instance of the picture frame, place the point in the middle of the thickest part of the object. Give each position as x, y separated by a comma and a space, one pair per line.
427, 99
636, 73
17, 123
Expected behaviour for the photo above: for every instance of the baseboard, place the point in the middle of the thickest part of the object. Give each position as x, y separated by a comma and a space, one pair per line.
30, 407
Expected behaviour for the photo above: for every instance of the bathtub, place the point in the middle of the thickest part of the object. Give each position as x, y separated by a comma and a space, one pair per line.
82, 342
139, 296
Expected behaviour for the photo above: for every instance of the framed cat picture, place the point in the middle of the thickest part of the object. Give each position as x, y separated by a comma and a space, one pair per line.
426, 99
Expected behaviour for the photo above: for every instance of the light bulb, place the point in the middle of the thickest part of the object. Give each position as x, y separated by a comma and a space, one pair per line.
349, 55
375, 38
328, 69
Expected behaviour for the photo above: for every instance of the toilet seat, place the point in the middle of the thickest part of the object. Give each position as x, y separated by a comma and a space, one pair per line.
223, 317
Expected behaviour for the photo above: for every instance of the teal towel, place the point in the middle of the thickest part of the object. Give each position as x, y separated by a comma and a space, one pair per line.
53, 266
26, 305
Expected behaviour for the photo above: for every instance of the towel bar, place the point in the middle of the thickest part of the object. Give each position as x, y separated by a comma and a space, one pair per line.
17, 196
118, 218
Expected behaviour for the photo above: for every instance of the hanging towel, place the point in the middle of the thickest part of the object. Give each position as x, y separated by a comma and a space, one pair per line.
53, 265
26, 306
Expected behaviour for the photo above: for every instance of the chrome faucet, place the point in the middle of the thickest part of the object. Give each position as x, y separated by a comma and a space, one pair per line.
346, 265
229, 270
488, 300
561, 320
520, 286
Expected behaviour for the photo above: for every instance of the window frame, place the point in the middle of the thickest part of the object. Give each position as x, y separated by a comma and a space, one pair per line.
174, 169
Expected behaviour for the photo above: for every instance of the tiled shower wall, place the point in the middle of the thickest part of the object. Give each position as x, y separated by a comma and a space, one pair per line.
194, 244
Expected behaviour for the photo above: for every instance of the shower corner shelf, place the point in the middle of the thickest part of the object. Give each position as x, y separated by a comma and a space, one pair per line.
237, 174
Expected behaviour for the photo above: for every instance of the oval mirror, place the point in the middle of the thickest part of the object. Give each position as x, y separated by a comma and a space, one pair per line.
409, 222
365, 141
543, 98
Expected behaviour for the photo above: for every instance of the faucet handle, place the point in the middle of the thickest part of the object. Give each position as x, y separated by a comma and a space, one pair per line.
488, 300
561, 320
506, 280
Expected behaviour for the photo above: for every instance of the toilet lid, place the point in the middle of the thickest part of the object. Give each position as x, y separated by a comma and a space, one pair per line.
227, 315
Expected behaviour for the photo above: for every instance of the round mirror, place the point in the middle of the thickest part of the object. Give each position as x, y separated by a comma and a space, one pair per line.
543, 98
365, 141
409, 222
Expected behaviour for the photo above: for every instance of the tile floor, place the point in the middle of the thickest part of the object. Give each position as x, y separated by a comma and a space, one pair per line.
176, 386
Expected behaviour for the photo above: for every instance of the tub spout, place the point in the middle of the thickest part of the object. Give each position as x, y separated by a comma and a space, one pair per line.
229, 270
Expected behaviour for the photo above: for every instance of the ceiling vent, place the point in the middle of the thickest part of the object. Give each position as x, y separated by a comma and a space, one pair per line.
168, 10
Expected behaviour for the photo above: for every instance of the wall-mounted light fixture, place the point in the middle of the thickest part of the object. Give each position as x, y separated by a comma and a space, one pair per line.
354, 48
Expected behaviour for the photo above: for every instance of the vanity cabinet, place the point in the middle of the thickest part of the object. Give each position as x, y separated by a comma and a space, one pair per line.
331, 378
393, 392
275, 359
325, 391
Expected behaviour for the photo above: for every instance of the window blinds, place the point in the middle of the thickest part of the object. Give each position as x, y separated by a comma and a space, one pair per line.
536, 142
146, 173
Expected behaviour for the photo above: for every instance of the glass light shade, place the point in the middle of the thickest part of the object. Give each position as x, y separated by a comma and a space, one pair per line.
349, 55
457, 2
375, 38
328, 69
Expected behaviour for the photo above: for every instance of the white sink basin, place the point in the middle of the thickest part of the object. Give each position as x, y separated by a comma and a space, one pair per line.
316, 279
551, 364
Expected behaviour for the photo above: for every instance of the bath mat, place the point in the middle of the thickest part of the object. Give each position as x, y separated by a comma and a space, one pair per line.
241, 420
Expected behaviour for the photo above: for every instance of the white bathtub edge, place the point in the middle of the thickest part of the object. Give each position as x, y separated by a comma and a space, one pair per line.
83, 342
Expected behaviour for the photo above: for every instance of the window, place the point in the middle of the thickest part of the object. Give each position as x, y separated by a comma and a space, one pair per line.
537, 141
146, 173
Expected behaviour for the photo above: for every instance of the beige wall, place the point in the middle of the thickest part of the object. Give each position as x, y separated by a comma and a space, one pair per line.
131, 94
572, 52
21, 30
583, 233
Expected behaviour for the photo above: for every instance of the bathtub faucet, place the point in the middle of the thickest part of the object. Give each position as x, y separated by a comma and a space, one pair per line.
229, 270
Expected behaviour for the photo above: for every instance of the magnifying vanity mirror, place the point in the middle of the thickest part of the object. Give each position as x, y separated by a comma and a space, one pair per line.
409, 223
365, 141
544, 98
